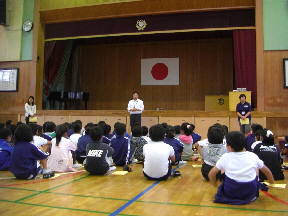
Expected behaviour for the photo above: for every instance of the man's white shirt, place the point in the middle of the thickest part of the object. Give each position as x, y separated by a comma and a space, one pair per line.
135, 104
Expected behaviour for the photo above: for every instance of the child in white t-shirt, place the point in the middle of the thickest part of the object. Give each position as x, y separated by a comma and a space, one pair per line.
157, 155
39, 141
61, 159
240, 184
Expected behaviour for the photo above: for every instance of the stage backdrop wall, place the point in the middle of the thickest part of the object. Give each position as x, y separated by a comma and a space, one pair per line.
111, 72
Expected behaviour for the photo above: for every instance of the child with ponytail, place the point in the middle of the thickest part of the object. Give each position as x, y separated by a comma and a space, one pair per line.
186, 138
61, 159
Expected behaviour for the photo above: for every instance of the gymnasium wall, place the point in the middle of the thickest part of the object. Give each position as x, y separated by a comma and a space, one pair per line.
111, 72
15, 44
10, 35
18, 49
12, 102
275, 17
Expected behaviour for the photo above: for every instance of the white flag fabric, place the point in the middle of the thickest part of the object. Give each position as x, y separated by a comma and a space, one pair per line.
160, 71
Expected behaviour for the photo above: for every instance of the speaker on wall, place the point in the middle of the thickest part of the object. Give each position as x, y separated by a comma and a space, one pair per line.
2, 12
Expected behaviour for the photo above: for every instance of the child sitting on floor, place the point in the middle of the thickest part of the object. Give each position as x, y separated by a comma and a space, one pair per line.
157, 155
98, 154
195, 136
82, 143
137, 143
121, 145
175, 143
270, 154
5, 148
61, 159
76, 127
187, 140
213, 151
49, 130
240, 184
145, 133
39, 141
25, 156
251, 138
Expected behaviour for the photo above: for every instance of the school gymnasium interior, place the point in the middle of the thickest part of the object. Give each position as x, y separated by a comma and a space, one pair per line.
82, 59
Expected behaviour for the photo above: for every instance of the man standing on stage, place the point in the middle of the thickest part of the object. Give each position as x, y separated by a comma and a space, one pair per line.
135, 108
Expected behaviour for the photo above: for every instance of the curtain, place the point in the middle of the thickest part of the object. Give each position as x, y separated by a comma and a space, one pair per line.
245, 61
57, 55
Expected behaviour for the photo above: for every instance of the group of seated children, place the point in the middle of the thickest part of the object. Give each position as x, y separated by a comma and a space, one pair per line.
233, 158
226, 158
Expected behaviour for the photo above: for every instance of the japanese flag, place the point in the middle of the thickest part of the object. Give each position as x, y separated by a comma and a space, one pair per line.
160, 71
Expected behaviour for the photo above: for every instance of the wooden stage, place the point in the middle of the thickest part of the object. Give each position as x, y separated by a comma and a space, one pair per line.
131, 194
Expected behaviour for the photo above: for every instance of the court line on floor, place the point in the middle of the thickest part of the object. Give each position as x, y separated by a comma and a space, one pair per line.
60, 207
156, 202
40, 192
44, 180
123, 207
274, 198
134, 199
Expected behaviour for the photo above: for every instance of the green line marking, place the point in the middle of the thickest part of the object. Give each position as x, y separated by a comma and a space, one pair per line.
89, 196
143, 201
16, 188
64, 208
45, 191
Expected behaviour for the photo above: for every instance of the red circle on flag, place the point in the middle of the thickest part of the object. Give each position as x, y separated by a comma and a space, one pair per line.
159, 71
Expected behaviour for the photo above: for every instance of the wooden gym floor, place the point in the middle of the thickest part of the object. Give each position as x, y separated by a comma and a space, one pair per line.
131, 194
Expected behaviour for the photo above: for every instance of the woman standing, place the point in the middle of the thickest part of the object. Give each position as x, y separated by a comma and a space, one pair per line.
30, 109
243, 110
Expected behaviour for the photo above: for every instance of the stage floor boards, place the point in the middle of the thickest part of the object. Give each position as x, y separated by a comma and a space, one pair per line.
131, 194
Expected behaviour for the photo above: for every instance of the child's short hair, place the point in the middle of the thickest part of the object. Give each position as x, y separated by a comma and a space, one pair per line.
258, 134
236, 140
23, 133
225, 129
87, 127
186, 128
68, 125
79, 122
215, 135
177, 129
268, 137
76, 126
101, 124
35, 128
5, 133
137, 131
144, 130
247, 129
164, 125
157, 133
256, 127
106, 129
120, 128
96, 133
170, 132
49, 126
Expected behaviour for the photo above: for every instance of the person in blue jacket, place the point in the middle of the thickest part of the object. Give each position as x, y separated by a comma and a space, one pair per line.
5, 148
121, 145
82, 144
25, 156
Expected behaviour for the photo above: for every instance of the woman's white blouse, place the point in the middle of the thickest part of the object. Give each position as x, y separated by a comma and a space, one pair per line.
30, 110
